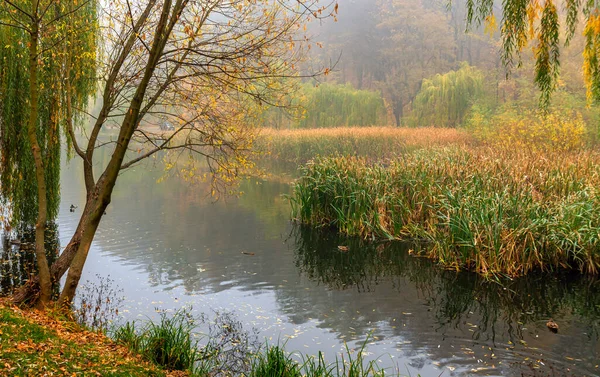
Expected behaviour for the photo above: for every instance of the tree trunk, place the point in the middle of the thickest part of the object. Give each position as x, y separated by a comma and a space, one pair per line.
28, 294
79, 257
398, 113
96, 203
40, 226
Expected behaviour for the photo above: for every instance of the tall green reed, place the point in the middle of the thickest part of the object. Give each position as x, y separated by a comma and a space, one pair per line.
274, 361
485, 209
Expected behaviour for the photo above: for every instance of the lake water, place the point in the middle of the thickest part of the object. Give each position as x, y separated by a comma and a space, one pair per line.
168, 245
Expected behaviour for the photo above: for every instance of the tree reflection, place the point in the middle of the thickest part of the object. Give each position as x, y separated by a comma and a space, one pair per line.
17, 259
458, 300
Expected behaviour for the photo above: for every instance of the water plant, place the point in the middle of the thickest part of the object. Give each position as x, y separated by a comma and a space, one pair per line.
169, 342
274, 361
489, 209
97, 304
228, 350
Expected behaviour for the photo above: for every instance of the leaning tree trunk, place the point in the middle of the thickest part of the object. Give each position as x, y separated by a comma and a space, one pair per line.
40, 227
98, 199
80, 255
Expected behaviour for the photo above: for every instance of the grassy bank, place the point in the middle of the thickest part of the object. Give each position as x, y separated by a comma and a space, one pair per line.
301, 145
487, 209
35, 344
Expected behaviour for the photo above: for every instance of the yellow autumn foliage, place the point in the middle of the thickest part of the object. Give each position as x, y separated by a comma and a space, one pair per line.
550, 132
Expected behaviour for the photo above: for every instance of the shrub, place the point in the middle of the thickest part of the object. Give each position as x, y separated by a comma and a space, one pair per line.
97, 304
555, 131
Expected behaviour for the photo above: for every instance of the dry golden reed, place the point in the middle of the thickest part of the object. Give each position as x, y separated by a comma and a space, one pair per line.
301, 145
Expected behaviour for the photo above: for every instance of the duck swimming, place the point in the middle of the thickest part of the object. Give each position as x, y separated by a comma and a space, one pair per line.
553, 326
72, 208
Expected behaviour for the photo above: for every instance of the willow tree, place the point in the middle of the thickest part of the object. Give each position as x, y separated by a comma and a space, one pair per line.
445, 99
48, 63
329, 105
416, 42
200, 65
538, 22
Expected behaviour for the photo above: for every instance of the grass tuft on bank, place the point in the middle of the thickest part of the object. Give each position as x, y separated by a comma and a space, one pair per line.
227, 352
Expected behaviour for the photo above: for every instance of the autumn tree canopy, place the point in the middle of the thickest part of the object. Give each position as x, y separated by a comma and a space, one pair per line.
205, 68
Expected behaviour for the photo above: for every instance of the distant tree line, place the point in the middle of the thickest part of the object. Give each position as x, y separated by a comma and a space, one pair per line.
406, 49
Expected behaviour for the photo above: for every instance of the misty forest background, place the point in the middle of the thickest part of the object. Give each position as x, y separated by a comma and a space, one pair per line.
410, 63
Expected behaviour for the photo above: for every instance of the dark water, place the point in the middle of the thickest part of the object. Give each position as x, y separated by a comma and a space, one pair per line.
167, 245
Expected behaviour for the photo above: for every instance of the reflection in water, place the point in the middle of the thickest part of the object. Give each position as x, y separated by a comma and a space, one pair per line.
362, 266
17, 260
509, 317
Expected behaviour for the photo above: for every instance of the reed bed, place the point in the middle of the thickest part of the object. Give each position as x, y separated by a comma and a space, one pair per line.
301, 145
491, 210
